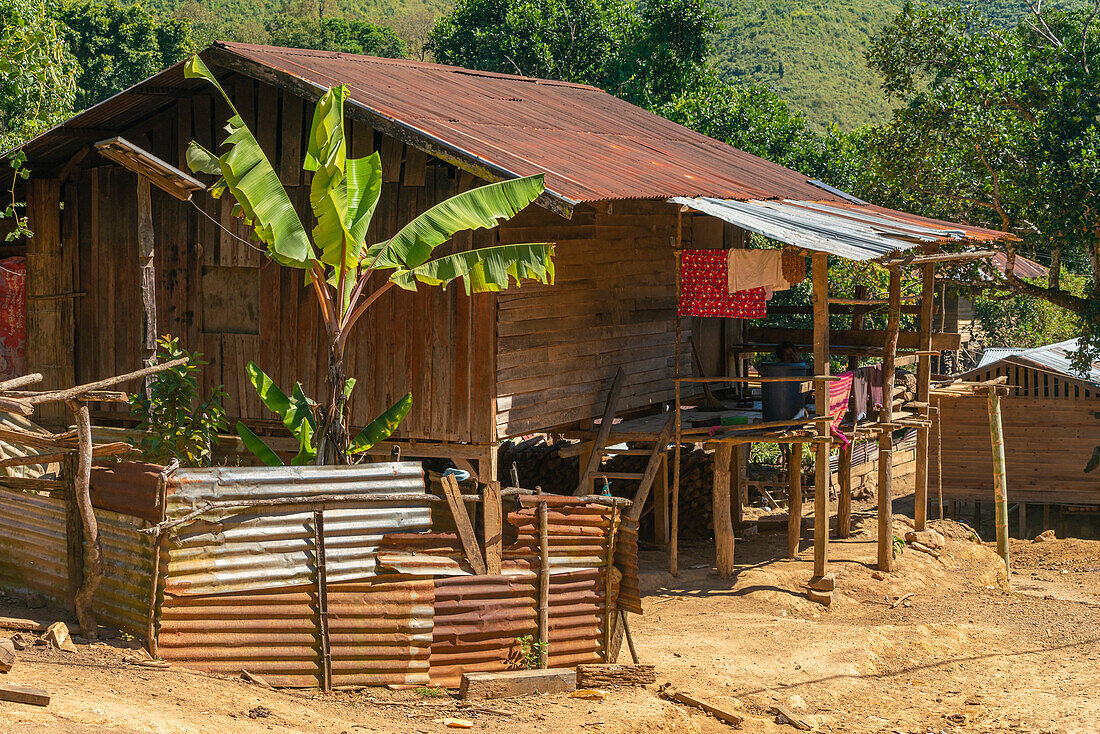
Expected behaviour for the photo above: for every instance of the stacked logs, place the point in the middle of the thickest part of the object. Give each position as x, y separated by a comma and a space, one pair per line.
539, 462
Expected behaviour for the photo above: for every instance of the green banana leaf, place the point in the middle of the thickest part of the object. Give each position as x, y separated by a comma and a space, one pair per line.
271, 396
485, 269
306, 452
258, 448
248, 175
474, 209
295, 411
381, 427
328, 192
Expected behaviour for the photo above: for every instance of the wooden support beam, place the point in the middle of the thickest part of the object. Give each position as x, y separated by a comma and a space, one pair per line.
147, 274
492, 528
939, 257
608, 584
723, 519
886, 439
1000, 481
544, 584
610, 408
794, 500
322, 598
463, 524
93, 552
865, 338
660, 503
924, 377
821, 401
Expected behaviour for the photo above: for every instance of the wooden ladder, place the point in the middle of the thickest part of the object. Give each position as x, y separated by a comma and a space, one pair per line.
600, 450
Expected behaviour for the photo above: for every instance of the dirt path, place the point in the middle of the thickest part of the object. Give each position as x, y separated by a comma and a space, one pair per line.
962, 656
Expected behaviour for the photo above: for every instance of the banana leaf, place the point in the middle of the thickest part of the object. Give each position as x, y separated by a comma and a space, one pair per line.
381, 427
249, 177
474, 209
259, 449
485, 269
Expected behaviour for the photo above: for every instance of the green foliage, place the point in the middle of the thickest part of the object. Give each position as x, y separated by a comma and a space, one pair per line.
425, 692
995, 126
897, 545
531, 651
335, 34
645, 53
1027, 321
15, 210
37, 71
381, 427
119, 44
176, 424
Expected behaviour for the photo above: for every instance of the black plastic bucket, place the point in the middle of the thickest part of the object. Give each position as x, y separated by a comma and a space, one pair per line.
781, 401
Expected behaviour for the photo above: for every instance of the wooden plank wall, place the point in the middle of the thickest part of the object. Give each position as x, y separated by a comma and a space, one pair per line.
437, 345
1047, 444
613, 305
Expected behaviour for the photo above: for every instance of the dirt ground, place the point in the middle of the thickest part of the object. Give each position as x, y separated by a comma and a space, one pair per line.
959, 655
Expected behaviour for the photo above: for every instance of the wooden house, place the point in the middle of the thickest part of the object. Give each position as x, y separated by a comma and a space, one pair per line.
1051, 428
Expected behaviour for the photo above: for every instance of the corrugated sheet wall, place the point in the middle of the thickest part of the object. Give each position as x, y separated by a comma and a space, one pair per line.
33, 558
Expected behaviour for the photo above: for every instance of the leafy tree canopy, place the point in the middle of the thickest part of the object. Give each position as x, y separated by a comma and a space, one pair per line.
335, 34
997, 127
119, 44
646, 53
37, 71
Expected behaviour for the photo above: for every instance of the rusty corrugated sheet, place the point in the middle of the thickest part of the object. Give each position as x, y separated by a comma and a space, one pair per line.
626, 560
380, 632
128, 487
576, 618
267, 547
33, 559
424, 554
577, 532
477, 622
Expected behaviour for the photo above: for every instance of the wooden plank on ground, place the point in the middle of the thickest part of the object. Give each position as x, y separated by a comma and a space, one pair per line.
598, 675
508, 683
462, 523
21, 694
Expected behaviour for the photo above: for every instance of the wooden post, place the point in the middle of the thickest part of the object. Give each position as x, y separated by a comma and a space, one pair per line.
74, 528
148, 273
821, 401
544, 585
492, 528
93, 559
322, 598
844, 479
794, 500
673, 560
487, 465
924, 376
1022, 512
660, 503
939, 456
720, 500
608, 602
886, 438
738, 485
1000, 480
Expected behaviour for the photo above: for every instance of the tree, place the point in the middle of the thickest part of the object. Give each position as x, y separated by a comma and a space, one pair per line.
37, 71
335, 34
755, 120
117, 45
998, 127
645, 53
338, 262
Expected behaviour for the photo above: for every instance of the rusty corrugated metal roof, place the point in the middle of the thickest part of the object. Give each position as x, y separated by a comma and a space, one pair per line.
1025, 267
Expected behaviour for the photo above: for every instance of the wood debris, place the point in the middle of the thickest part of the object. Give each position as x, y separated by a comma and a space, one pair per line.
20, 694
898, 602
598, 675
7, 656
669, 692
784, 715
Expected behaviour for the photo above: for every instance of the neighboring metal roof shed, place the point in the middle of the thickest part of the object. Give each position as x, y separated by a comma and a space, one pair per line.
852, 231
1052, 357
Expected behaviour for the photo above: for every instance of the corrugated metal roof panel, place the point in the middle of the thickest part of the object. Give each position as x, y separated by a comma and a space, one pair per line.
847, 230
1059, 357
996, 354
267, 547
1025, 267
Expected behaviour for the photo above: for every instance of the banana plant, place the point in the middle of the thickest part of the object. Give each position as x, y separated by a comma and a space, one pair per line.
345, 271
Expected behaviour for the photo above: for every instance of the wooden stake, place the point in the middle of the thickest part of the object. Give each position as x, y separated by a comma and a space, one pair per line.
939, 456
93, 562
544, 586
886, 438
821, 400
492, 527
1000, 480
463, 524
794, 500
924, 375
608, 602
148, 274
322, 598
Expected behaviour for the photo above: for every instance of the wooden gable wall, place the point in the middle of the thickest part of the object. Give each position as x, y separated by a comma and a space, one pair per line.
222, 297
613, 305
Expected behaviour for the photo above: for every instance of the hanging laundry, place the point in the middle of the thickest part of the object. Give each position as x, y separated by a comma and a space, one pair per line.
756, 269
794, 266
867, 390
840, 392
13, 317
703, 290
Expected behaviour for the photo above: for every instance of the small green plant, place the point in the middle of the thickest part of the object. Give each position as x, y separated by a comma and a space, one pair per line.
531, 651
16, 210
176, 424
975, 538
898, 546
425, 692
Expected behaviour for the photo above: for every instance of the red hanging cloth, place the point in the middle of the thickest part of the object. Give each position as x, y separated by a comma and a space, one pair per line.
704, 289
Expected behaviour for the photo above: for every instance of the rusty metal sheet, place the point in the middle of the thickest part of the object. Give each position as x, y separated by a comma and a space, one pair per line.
577, 532
33, 559
576, 618
478, 620
267, 547
128, 487
380, 632
424, 554
626, 560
